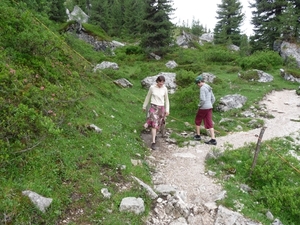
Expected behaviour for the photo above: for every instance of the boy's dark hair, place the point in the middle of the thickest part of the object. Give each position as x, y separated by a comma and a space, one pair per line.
198, 79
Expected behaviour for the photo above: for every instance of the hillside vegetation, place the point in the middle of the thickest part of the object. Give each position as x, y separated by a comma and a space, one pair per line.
50, 95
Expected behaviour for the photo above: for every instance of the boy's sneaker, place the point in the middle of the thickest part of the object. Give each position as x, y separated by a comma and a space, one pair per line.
197, 138
211, 142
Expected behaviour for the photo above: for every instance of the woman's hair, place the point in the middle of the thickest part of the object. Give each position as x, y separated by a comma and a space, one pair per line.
160, 78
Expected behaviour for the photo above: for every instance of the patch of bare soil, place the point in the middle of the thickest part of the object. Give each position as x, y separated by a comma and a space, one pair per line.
184, 167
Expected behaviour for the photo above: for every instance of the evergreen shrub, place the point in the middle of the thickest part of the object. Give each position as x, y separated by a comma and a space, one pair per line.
185, 78
261, 60
130, 50
219, 55
131, 53
196, 68
294, 72
249, 75
185, 101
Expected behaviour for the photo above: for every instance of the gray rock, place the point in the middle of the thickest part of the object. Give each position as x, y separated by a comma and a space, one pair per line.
277, 222
248, 114
106, 65
132, 204
229, 102
78, 15
233, 48
289, 77
95, 128
264, 77
154, 56
270, 215
123, 83
206, 37
228, 217
184, 39
39, 201
208, 77
105, 193
290, 50
165, 189
171, 64
117, 44
149, 190
245, 188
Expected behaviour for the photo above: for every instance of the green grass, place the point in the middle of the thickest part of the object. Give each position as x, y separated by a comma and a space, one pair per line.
58, 157
271, 188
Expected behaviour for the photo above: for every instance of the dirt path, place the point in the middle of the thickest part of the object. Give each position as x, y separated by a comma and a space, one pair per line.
185, 167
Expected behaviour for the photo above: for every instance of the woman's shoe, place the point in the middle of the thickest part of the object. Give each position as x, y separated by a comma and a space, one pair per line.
153, 146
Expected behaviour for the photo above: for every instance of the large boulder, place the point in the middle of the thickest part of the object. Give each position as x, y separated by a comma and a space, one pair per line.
132, 204
184, 39
288, 76
233, 48
287, 50
208, 77
106, 65
78, 15
169, 83
206, 37
99, 45
264, 77
229, 102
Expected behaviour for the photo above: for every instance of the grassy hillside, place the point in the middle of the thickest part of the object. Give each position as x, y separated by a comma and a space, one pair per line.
49, 97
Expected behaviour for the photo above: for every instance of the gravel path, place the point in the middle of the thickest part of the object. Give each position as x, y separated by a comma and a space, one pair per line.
185, 167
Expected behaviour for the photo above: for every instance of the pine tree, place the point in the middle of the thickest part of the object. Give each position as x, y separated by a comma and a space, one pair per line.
116, 17
156, 29
197, 28
133, 14
245, 48
268, 19
230, 18
57, 11
100, 15
289, 24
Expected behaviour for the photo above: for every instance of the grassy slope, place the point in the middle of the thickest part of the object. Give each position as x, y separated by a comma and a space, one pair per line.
73, 164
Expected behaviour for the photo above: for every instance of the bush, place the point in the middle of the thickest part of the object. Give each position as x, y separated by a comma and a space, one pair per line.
185, 78
220, 55
294, 72
261, 60
250, 75
186, 101
130, 50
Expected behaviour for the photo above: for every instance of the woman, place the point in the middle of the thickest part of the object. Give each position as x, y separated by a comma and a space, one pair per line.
159, 107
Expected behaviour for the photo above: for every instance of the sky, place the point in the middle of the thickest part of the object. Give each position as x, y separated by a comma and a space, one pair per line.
206, 11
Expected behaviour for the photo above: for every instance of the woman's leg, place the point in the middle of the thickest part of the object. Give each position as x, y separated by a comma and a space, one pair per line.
153, 131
